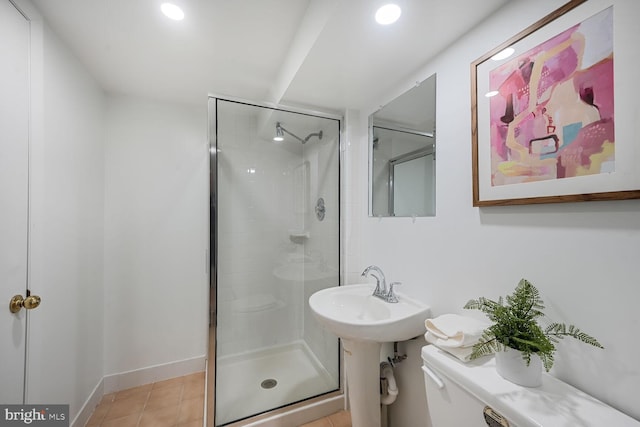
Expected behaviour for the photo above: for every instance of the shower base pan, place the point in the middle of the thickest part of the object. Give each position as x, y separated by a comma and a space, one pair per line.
252, 383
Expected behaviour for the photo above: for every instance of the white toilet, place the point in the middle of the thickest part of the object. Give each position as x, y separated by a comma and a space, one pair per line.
474, 395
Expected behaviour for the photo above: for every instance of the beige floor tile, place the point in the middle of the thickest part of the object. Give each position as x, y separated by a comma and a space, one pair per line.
193, 389
98, 414
164, 417
177, 402
194, 423
93, 423
165, 396
108, 398
191, 409
162, 403
340, 419
169, 391
142, 390
322, 422
128, 421
198, 376
169, 383
123, 407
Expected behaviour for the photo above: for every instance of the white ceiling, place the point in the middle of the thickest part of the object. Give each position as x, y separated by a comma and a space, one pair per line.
327, 54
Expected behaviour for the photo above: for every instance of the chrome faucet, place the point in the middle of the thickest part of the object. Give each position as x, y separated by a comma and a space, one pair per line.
381, 284
391, 295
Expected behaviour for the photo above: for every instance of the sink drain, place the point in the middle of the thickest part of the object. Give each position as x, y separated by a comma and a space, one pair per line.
270, 383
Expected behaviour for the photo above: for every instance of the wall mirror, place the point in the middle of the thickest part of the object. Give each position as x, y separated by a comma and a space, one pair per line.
402, 156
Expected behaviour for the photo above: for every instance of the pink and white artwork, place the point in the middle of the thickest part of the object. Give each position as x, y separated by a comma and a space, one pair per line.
552, 117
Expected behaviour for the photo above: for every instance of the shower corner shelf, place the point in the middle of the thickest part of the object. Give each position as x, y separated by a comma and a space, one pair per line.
298, 236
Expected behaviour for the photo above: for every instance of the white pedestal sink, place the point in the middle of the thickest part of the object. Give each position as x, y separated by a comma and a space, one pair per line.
364, 322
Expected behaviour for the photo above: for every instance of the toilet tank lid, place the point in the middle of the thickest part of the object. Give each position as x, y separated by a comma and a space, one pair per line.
554, 403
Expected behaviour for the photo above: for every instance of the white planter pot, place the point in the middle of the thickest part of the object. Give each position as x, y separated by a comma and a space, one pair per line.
512, 367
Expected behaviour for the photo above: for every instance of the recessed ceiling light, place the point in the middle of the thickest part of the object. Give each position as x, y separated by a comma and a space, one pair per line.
503, 54
388, 14
172, 11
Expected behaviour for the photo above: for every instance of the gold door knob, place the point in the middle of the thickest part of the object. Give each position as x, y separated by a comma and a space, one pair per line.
31, 302
17, 302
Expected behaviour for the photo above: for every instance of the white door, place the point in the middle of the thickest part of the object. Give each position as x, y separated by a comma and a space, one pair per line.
14, 196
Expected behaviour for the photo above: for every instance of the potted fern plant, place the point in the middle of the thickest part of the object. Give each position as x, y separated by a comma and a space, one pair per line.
521, 345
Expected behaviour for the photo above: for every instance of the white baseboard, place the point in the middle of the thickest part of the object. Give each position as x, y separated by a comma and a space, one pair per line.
124, 380
89, 405
152, 374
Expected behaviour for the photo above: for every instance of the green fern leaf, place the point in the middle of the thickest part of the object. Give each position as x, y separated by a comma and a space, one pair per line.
559, 330
515, 325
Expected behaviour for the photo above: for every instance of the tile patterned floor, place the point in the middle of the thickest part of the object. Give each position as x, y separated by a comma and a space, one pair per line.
178, 402
339, 419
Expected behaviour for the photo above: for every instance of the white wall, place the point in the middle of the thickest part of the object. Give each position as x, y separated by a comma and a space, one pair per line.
65, 360
119, 230
582, 256
156, 234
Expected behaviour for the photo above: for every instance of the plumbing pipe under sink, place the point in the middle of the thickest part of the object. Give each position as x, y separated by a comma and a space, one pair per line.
389, 396
389, 391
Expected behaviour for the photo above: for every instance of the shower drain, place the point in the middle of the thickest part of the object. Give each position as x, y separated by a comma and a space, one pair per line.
270, 383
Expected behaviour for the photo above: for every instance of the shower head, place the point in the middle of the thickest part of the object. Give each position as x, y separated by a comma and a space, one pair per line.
279, 134
280, 131
318, 134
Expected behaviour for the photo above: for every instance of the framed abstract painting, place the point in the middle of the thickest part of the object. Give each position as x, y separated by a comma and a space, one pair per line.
552, 119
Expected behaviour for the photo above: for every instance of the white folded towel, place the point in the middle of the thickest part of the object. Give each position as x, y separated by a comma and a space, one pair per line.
454, 330
462, 353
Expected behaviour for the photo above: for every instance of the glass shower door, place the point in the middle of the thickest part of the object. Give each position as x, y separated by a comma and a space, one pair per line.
276, 240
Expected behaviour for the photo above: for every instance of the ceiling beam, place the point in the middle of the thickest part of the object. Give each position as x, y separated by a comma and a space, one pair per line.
313, 22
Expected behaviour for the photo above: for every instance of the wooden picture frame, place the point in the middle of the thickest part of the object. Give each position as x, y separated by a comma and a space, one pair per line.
572, 140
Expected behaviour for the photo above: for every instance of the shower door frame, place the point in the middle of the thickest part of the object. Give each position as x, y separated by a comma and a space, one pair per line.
210, 394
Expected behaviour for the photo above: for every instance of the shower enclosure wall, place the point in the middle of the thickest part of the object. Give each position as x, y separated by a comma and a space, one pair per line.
275, 241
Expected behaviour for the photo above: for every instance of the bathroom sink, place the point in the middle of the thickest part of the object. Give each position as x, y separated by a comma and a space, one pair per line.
351, 312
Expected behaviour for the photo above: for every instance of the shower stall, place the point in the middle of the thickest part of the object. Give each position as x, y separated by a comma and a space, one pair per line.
275, 230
